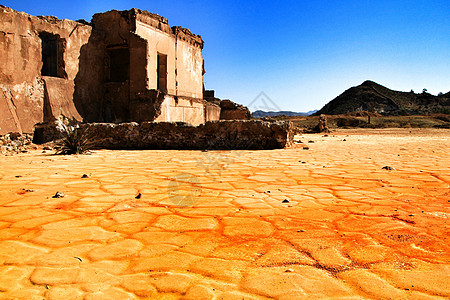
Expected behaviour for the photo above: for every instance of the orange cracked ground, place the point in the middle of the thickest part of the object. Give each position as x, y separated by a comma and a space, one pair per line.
328, 222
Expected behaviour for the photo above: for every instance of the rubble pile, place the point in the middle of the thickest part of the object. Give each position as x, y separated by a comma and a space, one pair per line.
14, 143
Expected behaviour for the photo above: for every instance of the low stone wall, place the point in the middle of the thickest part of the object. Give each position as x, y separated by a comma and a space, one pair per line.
227, 135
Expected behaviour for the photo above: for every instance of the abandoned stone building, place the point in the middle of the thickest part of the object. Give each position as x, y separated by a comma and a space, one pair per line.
123, 66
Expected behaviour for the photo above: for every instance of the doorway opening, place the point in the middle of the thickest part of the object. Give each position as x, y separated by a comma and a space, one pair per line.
52, 55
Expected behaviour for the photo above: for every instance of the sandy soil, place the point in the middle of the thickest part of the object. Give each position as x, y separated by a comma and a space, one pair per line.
327, 222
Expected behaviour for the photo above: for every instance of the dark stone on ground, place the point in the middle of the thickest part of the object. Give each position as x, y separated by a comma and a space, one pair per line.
59, 195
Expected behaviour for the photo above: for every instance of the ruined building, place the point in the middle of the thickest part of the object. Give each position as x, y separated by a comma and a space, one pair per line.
123, 66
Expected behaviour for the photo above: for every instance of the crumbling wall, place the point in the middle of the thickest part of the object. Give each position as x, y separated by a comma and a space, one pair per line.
22, 88
89, 95
233, 111
227, 135
189, 64
100, 73
114, 30
180, 109
160, 40
163, 59
212, 112
58, 95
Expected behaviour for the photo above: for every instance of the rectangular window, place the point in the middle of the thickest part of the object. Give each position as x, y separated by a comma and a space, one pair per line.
162, 72
49, 44
119, 64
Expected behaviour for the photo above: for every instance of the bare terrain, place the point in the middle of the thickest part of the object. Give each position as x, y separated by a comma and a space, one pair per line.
354, 214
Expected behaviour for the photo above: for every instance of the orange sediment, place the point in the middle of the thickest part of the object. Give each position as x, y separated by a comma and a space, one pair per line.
328, 222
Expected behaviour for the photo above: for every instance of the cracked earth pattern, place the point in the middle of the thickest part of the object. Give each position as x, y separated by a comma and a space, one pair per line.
328, 222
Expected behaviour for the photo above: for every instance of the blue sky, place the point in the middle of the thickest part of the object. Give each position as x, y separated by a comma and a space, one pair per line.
302, 53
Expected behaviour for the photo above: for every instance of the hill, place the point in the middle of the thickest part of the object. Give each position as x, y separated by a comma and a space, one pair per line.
373, 97
260, 113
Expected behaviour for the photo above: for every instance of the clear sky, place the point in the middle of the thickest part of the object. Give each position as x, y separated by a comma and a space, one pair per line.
302, 53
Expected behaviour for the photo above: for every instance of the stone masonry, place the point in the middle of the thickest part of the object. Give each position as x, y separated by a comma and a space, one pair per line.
224, 135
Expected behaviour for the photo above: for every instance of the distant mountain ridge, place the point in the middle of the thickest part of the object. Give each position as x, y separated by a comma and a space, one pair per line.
373, 97
261, 113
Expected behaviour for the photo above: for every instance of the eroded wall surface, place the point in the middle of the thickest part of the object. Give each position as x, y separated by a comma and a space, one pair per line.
189, 65
212, 112
187, 110
22, 87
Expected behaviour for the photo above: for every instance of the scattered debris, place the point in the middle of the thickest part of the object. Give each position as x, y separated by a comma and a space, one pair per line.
388, 168
14, 143
59, 195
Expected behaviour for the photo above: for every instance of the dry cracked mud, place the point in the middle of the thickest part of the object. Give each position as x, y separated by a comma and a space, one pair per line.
328, 222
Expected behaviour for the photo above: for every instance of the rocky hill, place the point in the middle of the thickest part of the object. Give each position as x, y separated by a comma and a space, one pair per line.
373, 97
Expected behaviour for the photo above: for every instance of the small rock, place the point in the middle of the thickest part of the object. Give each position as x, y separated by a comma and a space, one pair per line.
59, 195
388, 168
85, 176
289, 271
285, 201
138, 196
311, 142
305, 148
